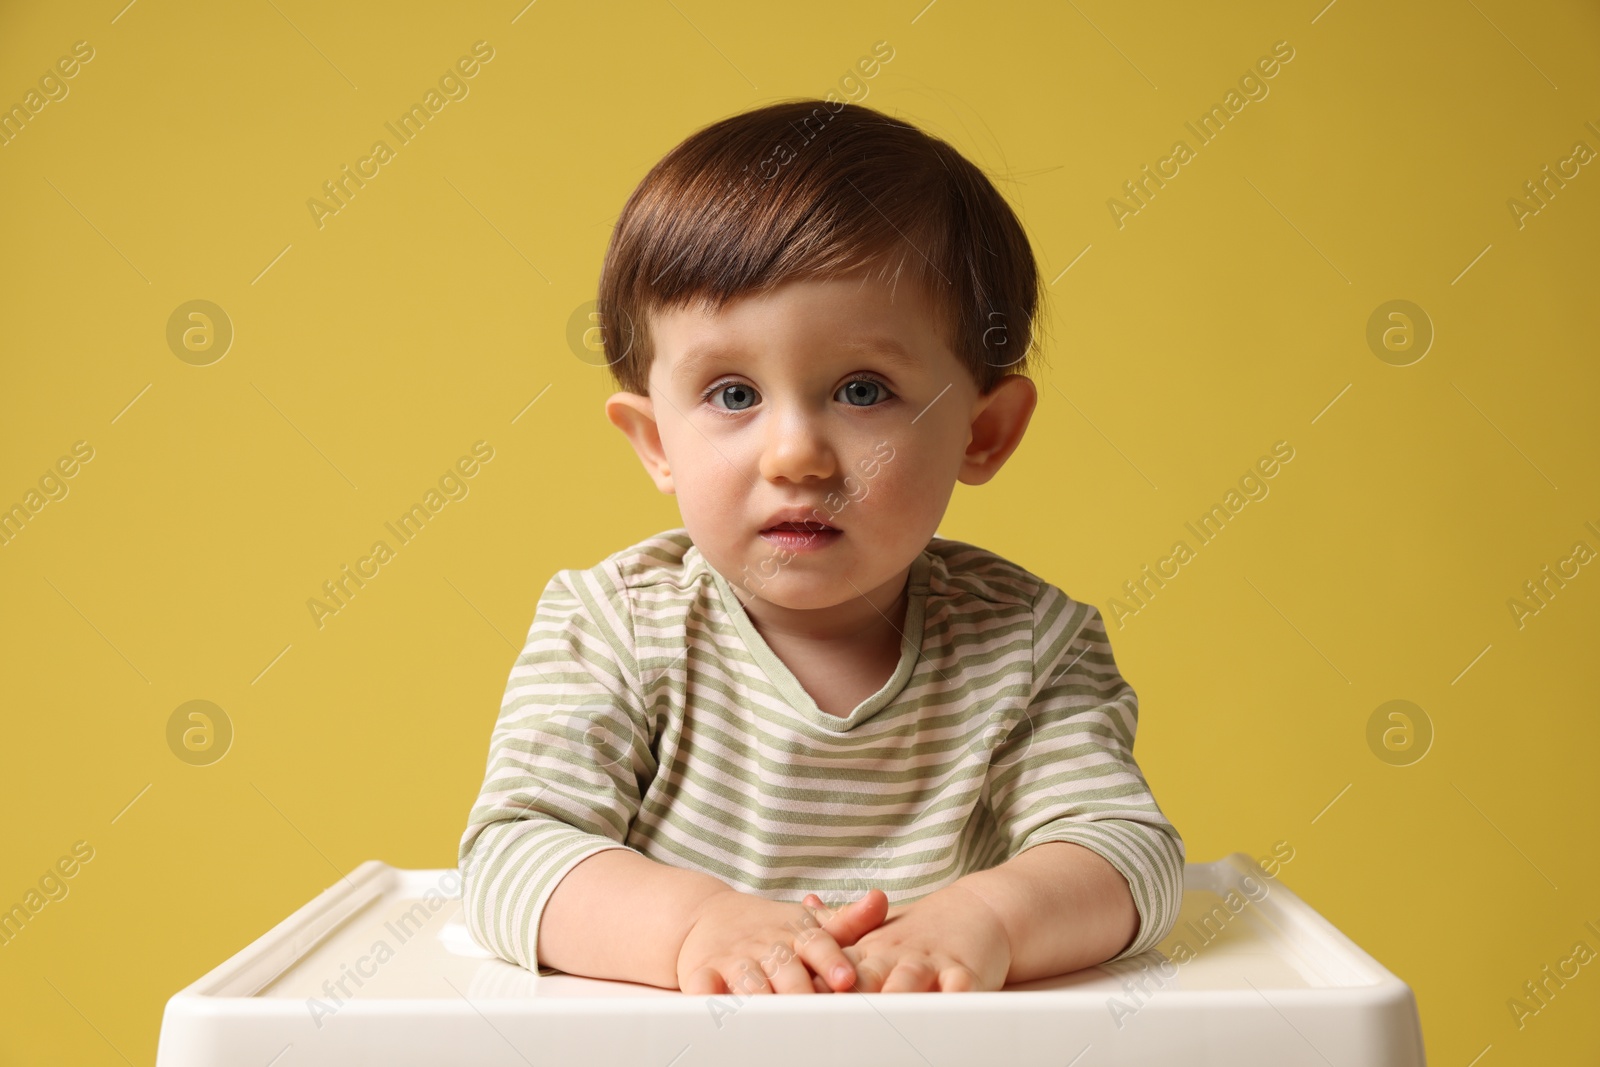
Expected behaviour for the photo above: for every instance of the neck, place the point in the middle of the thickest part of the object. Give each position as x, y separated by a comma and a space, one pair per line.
877, 614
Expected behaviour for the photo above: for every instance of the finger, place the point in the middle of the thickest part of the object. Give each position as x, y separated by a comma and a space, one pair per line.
820, 912
792, 977
821, 953
957, 979
855, 920
746, 979
869, 976
910, 976
819, 985
705, 982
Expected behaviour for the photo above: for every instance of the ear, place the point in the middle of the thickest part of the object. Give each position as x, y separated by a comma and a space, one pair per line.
999, 420
635, 416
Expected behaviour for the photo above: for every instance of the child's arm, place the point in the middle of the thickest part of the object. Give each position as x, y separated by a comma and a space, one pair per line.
621, 915
546, 875
1066, 773
624, 916
1095, 869
1063, 907
1057, 907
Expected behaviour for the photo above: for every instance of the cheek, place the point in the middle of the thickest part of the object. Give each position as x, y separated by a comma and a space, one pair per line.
705, 489
911, 488
693, 460
709, 479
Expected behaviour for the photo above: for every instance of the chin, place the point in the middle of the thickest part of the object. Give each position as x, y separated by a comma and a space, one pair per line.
798, 592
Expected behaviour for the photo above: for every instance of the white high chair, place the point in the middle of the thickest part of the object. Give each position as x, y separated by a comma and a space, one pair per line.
379, 968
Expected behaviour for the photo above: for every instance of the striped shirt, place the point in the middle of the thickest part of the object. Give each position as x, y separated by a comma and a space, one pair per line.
646, 712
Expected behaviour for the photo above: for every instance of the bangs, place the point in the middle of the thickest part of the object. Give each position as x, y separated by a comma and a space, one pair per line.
805, 190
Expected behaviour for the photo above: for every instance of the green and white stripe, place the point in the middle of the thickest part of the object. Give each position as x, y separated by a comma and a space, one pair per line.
646, 712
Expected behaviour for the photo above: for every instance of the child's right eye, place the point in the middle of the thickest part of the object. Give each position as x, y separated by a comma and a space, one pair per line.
738, 395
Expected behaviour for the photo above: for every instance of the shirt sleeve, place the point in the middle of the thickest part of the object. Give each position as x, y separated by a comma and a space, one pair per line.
1065, 771
569, 758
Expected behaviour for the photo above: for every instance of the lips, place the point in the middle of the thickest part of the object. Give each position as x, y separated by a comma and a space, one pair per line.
801, 527
798, 520
798, 531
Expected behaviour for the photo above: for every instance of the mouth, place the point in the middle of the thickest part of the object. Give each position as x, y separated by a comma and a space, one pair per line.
801, 534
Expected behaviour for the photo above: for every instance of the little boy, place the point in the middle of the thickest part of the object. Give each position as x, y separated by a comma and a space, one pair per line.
803, 744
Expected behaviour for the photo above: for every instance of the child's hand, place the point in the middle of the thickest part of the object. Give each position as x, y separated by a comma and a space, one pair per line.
740, 943
949, 941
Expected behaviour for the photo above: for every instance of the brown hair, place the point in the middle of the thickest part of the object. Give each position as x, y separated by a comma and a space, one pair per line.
817, 189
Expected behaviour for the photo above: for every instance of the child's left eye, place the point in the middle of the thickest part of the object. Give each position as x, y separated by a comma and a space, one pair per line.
863, 392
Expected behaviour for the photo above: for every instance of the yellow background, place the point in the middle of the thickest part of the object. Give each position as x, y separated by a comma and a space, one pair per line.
368, 356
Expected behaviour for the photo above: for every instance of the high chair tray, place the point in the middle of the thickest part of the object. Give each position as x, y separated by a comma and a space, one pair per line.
379, 968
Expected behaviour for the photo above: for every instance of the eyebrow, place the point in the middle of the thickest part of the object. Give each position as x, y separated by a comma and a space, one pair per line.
889, 350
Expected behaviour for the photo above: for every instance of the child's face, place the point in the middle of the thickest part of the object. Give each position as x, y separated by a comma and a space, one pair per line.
782, 401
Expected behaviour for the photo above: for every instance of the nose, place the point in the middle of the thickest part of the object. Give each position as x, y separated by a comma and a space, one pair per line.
796, 446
